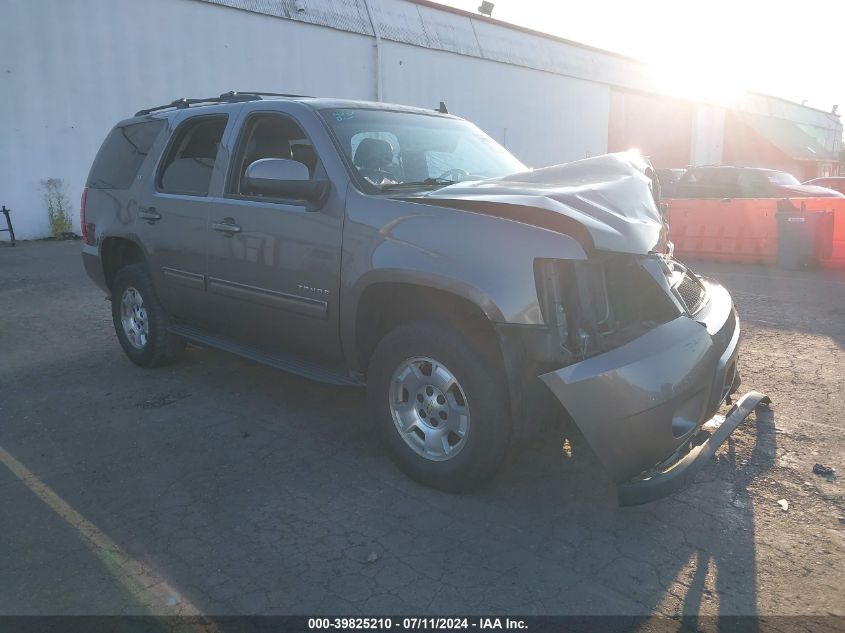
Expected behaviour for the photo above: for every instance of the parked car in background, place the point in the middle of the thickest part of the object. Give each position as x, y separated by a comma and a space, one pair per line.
837, 183
402, 249
668, 176
744, 182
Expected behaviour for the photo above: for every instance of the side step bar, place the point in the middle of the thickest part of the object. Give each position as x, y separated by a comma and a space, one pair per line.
307, 368
681, 473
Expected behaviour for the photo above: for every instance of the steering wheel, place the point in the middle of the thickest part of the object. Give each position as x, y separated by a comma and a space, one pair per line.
375, 175
456, 175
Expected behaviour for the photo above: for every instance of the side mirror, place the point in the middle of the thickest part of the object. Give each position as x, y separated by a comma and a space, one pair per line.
283, 178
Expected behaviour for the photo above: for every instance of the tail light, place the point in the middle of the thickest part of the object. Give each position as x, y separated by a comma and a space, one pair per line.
83, 226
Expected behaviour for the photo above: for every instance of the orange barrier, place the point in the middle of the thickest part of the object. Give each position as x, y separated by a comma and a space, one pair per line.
837, 206
734, 230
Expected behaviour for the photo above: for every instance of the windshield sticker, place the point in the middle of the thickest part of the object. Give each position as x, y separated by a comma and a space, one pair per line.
343, 115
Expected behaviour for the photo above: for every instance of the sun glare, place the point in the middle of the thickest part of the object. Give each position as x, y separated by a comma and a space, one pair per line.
696, 79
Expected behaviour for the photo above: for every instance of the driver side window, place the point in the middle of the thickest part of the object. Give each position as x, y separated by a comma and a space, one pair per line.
269, 136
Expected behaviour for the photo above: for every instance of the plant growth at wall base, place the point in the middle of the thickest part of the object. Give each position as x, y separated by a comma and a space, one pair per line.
59, 208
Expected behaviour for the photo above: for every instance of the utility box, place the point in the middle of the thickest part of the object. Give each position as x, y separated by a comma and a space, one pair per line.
804, 237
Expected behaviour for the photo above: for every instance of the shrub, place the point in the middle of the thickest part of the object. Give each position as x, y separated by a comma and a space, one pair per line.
58, 206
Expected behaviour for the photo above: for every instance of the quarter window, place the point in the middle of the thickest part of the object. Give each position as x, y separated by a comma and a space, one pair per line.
189, 162
122, 153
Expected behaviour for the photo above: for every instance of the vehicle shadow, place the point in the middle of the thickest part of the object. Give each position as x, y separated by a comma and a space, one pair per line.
255, 491
690, 556
733, 601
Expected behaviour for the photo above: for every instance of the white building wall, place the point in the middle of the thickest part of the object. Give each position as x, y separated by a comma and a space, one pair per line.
70, 70
541, 118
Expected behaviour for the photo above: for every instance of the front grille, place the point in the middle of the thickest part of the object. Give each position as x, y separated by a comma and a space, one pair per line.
691, 291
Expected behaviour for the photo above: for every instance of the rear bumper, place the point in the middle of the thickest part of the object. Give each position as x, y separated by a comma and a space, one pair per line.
639, 405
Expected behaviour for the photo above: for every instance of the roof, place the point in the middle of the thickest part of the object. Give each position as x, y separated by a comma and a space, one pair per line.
788, 137
317, 103
328, 103
430, 25
790, 102
523, 29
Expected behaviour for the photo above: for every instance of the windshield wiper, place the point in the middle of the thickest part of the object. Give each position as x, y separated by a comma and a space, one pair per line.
428, 182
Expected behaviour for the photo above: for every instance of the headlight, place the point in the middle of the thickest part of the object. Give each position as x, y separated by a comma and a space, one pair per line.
598, 304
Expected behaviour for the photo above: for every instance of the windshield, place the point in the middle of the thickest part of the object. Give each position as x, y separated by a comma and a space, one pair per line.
395, 150
782, 178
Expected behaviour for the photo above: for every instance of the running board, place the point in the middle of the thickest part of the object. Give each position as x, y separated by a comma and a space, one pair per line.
321, 372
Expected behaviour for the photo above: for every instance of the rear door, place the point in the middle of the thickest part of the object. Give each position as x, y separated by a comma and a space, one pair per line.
173, 210
274, 276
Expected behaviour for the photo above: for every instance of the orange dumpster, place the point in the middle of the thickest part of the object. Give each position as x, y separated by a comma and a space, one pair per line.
730, 230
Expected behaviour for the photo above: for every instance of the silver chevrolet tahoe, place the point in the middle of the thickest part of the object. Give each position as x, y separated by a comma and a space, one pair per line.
402, 249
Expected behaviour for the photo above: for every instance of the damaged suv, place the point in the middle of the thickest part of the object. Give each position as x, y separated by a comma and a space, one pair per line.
403, 249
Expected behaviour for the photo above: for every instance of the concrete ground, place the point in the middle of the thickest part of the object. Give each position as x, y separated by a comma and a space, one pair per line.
217, 486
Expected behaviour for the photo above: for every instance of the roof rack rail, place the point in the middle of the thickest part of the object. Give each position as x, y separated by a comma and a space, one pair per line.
269, 94
227, 97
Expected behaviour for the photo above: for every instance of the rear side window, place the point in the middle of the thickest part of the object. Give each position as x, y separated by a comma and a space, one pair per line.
189, 161
122, 153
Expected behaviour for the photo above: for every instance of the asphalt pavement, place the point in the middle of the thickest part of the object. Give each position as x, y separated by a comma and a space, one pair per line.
217, 486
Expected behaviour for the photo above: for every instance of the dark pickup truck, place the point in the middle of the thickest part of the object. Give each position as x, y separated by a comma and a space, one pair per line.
403, 249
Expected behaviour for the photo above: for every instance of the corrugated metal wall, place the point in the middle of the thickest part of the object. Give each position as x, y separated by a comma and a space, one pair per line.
428, 27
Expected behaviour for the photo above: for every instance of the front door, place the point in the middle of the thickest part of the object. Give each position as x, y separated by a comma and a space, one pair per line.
274, 264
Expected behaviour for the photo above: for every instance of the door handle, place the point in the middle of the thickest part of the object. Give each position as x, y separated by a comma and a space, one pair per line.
150, 215
227, 226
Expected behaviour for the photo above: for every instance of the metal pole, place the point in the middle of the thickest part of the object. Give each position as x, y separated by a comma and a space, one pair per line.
378, 50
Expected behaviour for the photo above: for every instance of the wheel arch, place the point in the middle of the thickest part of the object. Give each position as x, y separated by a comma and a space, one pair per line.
387, 302
117, 252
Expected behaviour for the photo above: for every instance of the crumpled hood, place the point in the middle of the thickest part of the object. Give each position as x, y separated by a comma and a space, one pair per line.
606, 200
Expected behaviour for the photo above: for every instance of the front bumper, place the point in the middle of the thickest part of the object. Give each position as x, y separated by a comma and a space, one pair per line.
680, 472
641, 404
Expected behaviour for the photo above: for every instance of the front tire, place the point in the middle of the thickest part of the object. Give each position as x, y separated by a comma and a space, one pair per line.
140, 320
440, 404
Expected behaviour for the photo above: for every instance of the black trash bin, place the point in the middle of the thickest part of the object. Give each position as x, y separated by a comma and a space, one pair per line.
803, 236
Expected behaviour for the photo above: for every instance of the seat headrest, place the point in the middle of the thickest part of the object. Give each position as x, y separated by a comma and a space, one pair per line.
268, 143
200, 146
373, 153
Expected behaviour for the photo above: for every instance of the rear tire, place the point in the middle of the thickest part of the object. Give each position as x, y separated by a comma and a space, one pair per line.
140, 320
440, 404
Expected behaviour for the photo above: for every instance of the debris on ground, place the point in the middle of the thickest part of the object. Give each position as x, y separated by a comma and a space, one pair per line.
162, 400
714, 423
784, 505
373, 557
824, 471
